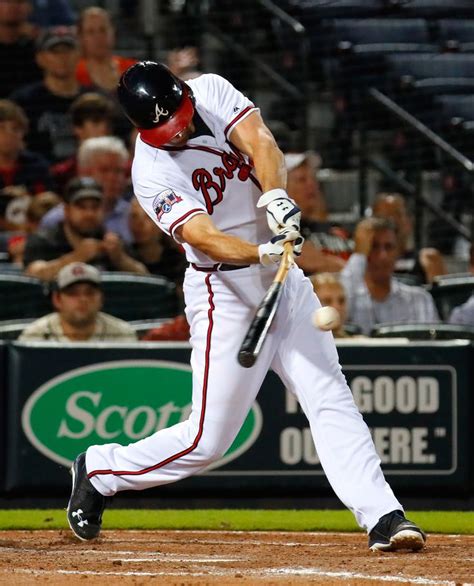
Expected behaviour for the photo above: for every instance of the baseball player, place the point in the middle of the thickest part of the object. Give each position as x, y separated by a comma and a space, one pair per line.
209, 173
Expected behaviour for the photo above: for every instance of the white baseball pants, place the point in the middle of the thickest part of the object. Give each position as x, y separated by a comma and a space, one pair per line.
220, 306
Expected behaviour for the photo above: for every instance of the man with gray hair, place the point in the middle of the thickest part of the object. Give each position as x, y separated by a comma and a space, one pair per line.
106, 159
374, 296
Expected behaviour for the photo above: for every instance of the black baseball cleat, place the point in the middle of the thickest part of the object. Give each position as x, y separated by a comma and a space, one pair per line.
86, 505
394, 532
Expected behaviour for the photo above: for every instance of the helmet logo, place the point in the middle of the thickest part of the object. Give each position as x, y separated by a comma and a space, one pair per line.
159, 112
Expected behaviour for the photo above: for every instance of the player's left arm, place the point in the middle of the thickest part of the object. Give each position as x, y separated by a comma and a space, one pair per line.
253, 138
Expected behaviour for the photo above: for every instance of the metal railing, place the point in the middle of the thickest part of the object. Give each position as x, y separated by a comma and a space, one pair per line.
435, 140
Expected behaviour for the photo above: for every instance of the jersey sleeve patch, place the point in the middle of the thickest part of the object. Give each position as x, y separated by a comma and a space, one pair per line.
164, 202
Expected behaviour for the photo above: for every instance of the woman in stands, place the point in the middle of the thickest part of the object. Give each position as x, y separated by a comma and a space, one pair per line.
99, 66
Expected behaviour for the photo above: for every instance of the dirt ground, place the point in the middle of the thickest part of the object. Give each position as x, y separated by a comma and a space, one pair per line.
224, 557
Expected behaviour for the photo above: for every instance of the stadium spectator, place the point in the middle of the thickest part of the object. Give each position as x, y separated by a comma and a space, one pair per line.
17, 48
106, 159
36, 209
98, 65
184, 62
463, 315
157, 251
47, 102
424, 264
81, 237
326, 246
374, 295
14, 201
330, 291
19, 166
78, 299
92, 115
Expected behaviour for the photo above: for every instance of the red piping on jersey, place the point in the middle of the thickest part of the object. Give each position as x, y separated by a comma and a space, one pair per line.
175, 224
203, 405
237, 118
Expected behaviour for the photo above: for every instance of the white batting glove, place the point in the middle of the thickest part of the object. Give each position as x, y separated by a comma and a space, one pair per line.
272, 251
282, 211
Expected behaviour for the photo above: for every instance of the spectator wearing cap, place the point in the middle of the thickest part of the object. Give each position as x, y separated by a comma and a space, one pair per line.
106, 160
19, 166
47, 102
92, 115
17, 48
327, 246
99, 66
81, 237
78, 299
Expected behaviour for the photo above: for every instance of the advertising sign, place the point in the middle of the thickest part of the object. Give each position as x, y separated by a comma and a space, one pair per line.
415, 401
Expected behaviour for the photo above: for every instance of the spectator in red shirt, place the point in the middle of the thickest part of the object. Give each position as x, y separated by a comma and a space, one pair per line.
99, 66
19, 166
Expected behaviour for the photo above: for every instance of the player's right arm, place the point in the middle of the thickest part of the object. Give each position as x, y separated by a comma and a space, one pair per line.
201, 233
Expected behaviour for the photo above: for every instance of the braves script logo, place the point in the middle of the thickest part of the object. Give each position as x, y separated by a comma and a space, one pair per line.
164, 201
159, 112
212, 186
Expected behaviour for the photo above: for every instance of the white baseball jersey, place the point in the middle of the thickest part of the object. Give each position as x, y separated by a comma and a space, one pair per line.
208, 175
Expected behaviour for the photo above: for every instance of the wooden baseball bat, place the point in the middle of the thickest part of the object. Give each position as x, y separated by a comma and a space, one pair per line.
262, 320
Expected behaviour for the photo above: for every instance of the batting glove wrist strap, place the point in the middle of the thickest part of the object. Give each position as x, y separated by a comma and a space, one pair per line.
272, 251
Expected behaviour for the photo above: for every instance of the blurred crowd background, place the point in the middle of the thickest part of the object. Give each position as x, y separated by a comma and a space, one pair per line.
372, 102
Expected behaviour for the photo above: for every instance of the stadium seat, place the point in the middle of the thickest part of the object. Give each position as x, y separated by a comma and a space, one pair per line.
445, 66
11, 329
22, 297
455, 33
312, 10
375, 33
449, 291
134, 297
423, 331
457, 106
436, 8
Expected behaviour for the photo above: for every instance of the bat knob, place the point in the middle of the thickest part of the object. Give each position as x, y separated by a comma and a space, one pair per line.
246, 358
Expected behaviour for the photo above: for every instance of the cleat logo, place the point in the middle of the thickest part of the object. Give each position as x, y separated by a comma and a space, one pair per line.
159, 112
81, 522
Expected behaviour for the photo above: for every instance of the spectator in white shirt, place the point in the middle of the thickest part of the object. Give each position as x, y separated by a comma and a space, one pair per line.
463, 315
374, 295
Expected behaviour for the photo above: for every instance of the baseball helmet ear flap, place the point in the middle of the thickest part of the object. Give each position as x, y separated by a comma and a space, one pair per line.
157, 102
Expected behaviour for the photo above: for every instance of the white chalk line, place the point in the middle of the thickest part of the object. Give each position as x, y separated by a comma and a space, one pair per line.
264, 572
190, 559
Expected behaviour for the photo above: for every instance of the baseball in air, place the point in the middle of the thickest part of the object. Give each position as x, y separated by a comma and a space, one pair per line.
326, 318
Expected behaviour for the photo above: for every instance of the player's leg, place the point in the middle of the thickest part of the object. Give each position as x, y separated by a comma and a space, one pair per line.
308, 364
223, 393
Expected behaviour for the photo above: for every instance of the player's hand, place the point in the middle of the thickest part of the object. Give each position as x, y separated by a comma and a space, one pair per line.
364, 236
113, 246
282, 211
272, 251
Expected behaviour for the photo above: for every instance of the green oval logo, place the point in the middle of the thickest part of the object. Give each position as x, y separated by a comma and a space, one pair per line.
121, 402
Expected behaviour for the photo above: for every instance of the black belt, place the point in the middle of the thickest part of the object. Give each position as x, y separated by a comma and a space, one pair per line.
218, 267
